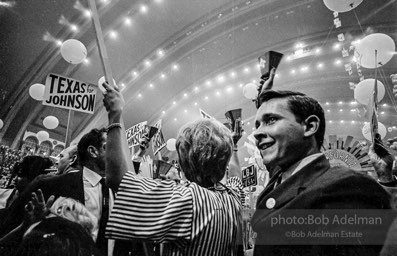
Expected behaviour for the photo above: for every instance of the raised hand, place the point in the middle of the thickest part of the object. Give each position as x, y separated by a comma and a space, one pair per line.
37, 208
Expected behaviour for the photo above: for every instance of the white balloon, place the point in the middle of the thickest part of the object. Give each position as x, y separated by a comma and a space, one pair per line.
101, 81
365, 50
250, 91
36, 91
43, 135
366, 130
342, 5
1, 124
171, 144
364, 91
73, 51
50, 122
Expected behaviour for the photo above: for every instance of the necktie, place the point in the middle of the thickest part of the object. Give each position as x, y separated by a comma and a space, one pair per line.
101, 242
279, 179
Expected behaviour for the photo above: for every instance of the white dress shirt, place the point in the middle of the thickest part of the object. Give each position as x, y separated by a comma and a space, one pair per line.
93, 198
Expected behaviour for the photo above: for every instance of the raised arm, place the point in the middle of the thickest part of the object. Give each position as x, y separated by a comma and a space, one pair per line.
118, 160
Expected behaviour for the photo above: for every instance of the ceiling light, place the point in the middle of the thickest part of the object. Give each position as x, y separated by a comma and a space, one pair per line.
113, 34
143, 8
195, 104
221, 79
229, 89
127, 21
327, 103
206, 97
73, 28
340, 110
139, 95
163, 112
232, 74
340, 102
86, 61
196, 89
338, 62
336, 46
318, 50
185, 95
320, 65
174, 102
160, 53
163, 76
148, 63
151, 85
59, 42
293, 71
175, 67
87, 13
246, 70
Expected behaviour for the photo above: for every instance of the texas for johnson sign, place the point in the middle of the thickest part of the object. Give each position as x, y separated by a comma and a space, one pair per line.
65, 92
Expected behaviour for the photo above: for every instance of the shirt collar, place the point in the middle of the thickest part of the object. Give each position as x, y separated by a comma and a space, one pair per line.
92, 177
299, 165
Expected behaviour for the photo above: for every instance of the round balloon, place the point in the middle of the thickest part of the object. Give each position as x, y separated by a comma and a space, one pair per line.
364, 91
1, 124
342, 5
36, 91
366, 130
365, 50
43, 135
73, 51
171, 144
101, 81
50, 122
250, 91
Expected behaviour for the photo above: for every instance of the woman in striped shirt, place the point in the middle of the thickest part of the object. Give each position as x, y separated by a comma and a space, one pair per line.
199, 217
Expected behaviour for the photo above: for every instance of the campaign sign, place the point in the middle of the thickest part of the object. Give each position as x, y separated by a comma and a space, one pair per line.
65, 92
135, 133
158, 139
249, 176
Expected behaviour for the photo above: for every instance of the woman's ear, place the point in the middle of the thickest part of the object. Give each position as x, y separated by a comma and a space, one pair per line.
312, 124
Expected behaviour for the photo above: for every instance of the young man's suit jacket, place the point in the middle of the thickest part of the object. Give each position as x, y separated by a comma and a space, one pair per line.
319, 186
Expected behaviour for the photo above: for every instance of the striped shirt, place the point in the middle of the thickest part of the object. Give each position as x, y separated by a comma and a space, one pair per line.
188, 219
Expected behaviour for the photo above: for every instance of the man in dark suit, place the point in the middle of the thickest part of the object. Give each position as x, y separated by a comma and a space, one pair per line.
289, 133
73, 184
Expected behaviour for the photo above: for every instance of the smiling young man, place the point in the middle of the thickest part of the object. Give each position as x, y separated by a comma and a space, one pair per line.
305, 192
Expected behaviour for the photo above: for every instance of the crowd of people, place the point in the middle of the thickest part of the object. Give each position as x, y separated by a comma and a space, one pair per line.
8, 158
100, 202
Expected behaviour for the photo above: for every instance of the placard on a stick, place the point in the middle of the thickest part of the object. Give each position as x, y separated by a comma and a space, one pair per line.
69, 93
158, 139
135, 133
249, 176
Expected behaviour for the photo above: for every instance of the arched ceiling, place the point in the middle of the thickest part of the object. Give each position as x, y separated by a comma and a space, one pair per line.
173, 57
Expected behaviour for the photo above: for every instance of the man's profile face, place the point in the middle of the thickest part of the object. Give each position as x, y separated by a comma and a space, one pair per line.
279, 137
64, 159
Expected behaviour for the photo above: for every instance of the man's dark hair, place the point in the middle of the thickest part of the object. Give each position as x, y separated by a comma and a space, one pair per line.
302, 106
93, 138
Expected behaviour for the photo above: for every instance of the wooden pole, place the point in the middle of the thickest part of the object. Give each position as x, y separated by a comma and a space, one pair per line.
69, 128
101, 44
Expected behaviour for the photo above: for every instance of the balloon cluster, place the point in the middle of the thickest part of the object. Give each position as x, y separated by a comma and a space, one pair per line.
392, 143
